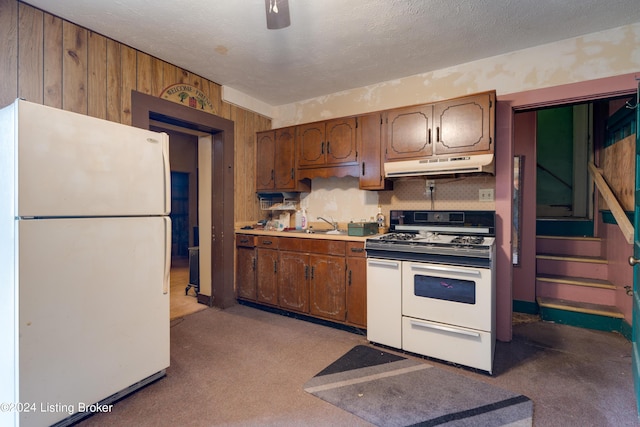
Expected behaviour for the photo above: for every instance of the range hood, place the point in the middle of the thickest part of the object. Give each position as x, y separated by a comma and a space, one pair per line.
440, 166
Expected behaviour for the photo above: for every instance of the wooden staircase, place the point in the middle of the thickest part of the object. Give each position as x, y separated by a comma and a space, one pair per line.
571, 283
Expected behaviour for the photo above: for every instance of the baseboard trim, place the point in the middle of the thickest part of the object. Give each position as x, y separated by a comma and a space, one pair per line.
574, 318
300, 316
527, 307
204, 299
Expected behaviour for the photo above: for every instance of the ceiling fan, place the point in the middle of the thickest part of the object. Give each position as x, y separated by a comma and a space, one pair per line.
277, 14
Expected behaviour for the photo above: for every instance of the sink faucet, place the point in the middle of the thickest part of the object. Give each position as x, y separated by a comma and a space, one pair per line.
332, 223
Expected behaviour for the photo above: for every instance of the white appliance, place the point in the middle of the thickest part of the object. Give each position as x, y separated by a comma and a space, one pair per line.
431, 286
84, 263
475, 163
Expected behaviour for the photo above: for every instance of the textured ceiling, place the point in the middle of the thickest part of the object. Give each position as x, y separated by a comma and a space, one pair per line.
334, 45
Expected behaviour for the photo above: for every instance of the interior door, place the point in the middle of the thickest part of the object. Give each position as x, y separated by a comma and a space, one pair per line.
636, 269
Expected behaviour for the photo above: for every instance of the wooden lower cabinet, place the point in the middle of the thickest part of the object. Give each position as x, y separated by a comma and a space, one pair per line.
316, 277
327, 287
356, 284
246, 273
267, 270
293, 281
246, 267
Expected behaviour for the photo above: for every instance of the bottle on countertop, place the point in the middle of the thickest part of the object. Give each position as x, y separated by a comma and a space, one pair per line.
380, 218
298, 219
304, 223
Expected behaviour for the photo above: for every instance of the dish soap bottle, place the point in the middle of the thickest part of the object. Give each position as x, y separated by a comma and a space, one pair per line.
303, 222
298, 219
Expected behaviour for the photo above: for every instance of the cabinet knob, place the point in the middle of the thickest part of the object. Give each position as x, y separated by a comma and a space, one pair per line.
633, 261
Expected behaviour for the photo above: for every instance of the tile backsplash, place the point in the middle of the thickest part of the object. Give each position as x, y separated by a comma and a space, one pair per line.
460, 193
340, 199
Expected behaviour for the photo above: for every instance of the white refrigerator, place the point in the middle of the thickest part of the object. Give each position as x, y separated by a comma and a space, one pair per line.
85, 242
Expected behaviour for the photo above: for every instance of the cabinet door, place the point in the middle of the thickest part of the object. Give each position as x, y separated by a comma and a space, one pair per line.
370, 142
465, 125
246, 273
265, 151
356, 285
327, 287
408, 133
267, 274
311, 144
285, 160
341, 141
293, 281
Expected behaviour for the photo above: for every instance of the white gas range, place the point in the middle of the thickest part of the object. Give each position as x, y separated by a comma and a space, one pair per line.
431, 285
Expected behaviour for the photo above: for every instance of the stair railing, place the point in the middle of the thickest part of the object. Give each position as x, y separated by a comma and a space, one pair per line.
612, 202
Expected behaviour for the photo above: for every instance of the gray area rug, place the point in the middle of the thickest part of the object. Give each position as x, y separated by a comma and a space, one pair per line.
389, 390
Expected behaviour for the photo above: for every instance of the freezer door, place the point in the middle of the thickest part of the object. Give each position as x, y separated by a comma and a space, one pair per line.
74, 165
93, 308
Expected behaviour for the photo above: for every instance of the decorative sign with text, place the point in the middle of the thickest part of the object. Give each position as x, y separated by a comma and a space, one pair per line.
188, 95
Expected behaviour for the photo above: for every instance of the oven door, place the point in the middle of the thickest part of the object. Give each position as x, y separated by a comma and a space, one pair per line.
454, 295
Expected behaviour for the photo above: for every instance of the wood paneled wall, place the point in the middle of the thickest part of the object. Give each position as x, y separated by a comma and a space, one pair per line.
54, 62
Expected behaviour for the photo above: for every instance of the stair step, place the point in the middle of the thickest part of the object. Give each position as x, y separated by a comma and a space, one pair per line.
576, 281
580, 307
578, 289
572, 266
573, 258
568, 245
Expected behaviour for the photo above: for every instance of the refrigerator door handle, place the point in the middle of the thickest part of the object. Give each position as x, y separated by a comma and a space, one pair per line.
167, 255
167, 174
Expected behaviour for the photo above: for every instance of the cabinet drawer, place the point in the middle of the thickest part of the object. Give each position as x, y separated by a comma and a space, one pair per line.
355, 249
320, 246
267, 242
455, 344
289, 243
245, 240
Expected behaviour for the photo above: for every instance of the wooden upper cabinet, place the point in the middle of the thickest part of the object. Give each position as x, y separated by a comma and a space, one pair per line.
408, 133
330, 143
369, 137
275, 160
265, 156
341, 141
285, 159
465, 125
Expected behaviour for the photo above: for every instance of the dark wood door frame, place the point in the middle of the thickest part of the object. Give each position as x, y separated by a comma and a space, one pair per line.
146, 108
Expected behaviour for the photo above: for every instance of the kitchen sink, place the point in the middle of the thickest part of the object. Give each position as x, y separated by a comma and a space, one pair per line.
332, 232
328, 232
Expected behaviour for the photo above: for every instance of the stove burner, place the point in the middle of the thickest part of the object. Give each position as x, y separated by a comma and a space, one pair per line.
467, 240
398, 236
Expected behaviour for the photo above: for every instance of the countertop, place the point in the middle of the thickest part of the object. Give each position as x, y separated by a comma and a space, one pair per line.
302, 235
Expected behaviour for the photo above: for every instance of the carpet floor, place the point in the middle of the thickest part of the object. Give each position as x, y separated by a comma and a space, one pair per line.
247, 367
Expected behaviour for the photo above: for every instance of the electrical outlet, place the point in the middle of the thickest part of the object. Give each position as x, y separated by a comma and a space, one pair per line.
430, 186
486, 195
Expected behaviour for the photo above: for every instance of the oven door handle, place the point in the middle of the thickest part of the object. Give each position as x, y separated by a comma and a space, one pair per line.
446, 270
392, 264
444, 328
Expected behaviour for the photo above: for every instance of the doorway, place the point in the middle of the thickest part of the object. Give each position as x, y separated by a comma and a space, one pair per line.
565, 139
216, 181
179, 215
